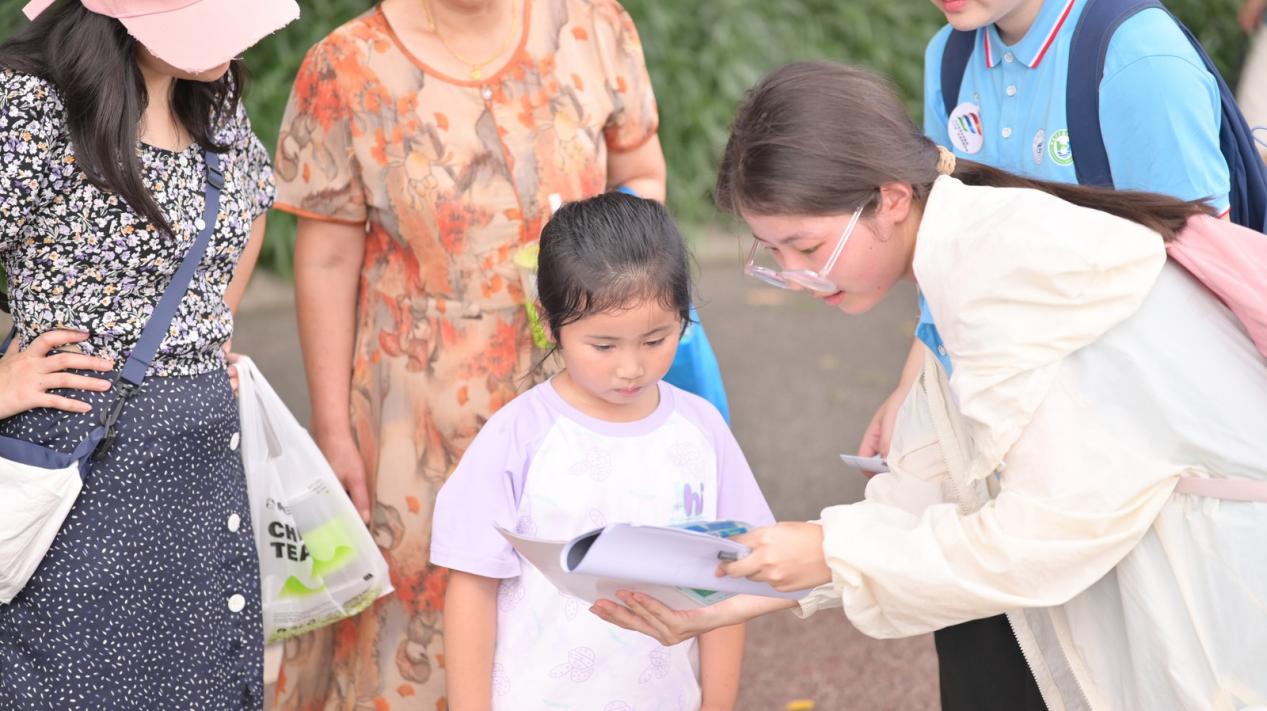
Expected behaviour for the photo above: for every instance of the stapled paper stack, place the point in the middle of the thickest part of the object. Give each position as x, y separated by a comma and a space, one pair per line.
673, 565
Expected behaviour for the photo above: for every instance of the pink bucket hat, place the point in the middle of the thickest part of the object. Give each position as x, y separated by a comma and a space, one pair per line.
193, 35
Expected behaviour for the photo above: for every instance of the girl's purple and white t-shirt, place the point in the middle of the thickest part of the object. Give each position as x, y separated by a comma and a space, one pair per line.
543, 468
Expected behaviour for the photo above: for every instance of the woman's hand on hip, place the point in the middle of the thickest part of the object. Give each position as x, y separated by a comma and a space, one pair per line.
788, 556
26, 377
345, 458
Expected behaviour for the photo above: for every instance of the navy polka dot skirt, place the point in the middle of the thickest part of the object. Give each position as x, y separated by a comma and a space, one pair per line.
149, 597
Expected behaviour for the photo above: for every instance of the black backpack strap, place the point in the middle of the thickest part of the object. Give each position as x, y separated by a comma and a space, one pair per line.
1247, 176
1087, 50
954, 62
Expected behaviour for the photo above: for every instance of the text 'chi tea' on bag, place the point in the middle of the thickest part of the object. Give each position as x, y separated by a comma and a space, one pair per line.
318, 562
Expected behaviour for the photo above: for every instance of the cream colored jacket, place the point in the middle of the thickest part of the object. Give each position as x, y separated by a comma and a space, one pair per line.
1039, 480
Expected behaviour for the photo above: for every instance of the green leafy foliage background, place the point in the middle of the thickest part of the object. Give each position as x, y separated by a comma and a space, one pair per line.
702, 55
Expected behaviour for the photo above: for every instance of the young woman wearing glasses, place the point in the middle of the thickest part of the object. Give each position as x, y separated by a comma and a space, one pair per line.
1094, 467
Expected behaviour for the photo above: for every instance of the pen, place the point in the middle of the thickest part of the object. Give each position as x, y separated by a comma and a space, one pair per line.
728, 556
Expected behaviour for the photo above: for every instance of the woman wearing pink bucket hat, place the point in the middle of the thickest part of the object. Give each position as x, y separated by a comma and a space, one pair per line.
191, 35
124, 149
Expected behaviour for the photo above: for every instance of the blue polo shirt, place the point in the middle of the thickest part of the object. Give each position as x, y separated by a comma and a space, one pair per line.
1159, 110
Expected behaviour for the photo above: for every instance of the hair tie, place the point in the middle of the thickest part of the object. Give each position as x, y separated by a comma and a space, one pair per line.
945, 161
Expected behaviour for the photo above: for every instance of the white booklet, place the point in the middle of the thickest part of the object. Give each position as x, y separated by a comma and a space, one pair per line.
673, 565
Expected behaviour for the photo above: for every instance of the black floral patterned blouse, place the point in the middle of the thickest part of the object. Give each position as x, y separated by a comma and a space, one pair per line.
78, 257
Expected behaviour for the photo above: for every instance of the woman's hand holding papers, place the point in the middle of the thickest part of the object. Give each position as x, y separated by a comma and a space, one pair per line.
788, 556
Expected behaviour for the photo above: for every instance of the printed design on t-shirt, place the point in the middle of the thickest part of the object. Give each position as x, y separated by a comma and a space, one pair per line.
597, 518
510, 593
1059, 149
657, 667
571, 606
692, 466
596, 464
689, 458
501, 680
966, 132
578, 668
526, 526
692, 502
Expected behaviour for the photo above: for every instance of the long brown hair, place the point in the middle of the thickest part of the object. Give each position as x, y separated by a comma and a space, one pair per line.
820, 138
90, 58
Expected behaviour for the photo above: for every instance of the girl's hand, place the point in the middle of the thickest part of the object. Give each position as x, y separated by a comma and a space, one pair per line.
788, 556
645, 614
345, 458
27, 376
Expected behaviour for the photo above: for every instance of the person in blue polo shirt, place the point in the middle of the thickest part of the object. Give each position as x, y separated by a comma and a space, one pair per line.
1159, 117
1159, 106
1159, 114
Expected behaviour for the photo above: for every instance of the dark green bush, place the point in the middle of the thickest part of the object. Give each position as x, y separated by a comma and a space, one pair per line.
702, 56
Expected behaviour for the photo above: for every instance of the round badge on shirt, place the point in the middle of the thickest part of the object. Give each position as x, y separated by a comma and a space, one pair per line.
1058, 148
965, 129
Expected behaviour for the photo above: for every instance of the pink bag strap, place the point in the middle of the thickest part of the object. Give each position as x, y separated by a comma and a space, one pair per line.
1227, 489
1230, 261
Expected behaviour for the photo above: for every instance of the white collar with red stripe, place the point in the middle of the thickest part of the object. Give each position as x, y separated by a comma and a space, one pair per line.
1036, 41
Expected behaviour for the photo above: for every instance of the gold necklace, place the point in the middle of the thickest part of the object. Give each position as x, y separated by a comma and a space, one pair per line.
476, 67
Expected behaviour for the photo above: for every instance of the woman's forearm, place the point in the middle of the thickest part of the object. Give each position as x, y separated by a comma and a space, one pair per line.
742, 608
642, 170
328, 260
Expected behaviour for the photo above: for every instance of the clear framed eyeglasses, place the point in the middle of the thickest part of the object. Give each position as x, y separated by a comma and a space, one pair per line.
803, 278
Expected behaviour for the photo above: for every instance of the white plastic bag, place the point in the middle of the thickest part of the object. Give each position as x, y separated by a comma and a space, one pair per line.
34, 501
318, 563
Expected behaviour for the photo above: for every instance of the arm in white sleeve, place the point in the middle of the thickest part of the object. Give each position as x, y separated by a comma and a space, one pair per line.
1074, 501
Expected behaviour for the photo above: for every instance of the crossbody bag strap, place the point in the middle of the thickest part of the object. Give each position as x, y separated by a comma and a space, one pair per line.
1088, 49
138, 361
146, 347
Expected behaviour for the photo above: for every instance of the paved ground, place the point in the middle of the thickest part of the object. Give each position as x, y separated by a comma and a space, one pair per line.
803, 381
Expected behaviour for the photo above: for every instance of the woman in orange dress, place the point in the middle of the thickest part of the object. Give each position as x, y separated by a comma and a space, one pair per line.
421, 147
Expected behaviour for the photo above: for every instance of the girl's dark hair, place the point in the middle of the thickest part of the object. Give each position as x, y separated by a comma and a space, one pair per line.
820, 138
90, 59
607, 252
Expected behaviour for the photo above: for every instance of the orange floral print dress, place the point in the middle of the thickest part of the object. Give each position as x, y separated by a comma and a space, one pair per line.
450, 177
